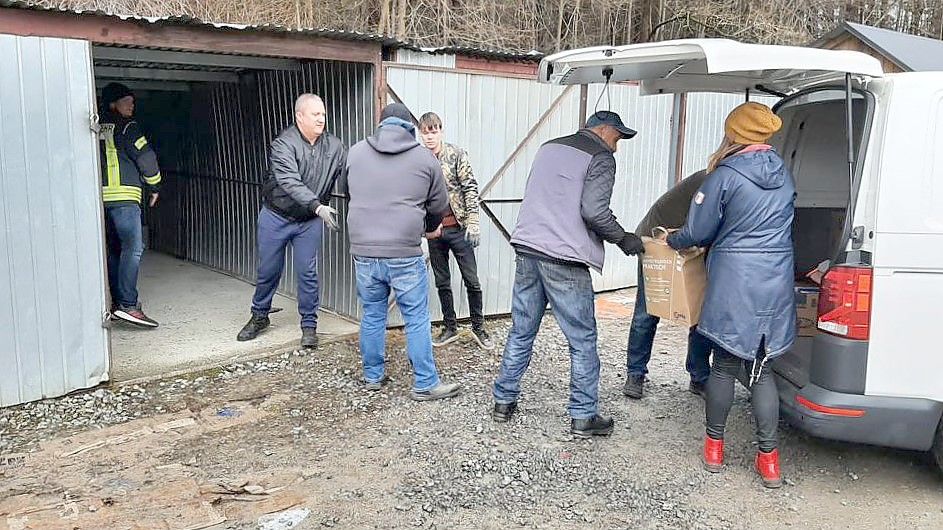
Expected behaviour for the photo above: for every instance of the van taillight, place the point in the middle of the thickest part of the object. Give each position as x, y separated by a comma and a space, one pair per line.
845, 302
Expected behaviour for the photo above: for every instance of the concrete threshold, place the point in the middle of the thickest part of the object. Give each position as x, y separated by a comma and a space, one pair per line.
200, 312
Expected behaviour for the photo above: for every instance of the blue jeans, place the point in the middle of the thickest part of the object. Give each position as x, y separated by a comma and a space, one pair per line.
409, 280
274, 234
642, 336
125, 243
570, 293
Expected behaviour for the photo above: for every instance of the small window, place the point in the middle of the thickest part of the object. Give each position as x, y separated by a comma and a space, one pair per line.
818, 96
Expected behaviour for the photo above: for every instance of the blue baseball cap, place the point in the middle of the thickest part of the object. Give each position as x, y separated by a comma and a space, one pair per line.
607, 117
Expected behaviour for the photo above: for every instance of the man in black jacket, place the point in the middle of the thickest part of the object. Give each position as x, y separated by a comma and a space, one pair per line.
304, 163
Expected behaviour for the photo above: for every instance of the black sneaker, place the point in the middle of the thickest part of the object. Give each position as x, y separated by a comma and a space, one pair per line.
595, 426
440, 391
448, 335
502, 412
698, 389
482, 338
634, 386
136, 317
253, 327
309, 338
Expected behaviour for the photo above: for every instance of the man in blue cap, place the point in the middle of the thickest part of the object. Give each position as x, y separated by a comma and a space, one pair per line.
564, 219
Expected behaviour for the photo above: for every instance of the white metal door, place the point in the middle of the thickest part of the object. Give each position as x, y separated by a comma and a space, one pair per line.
52, 287
904, 353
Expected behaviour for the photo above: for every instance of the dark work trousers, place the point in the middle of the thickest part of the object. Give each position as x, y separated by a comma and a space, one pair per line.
720, 393
453, 239
275, 234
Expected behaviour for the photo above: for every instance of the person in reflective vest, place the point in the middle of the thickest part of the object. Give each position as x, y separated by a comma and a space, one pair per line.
129, 173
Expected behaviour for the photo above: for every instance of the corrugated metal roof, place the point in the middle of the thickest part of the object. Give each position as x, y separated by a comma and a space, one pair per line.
531, 56
349, 35
164, 66
193, 21
910, 52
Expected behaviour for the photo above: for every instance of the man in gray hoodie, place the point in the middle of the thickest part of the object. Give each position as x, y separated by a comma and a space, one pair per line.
397, 195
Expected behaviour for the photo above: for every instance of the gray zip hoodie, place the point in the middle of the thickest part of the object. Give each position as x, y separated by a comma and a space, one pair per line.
397, 192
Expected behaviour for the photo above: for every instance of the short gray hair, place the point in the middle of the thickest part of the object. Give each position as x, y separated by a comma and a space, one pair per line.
304, 99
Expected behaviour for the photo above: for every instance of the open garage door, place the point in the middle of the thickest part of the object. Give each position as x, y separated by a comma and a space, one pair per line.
52, 271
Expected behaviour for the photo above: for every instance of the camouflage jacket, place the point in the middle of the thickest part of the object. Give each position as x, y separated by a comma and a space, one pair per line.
461, 183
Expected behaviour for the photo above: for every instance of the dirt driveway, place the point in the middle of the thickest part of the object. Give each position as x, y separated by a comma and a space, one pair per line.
297, 432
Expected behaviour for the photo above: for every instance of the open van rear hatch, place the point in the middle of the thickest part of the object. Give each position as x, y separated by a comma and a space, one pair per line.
707, 65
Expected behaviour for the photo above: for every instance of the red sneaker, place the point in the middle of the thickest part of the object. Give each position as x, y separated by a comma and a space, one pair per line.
767, 465
136, 317
713, 454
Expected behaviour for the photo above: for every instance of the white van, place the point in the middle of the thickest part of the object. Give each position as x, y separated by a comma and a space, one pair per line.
871, 202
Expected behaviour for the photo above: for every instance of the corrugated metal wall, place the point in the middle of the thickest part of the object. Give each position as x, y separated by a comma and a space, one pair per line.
704, 125
643, 165
490, 116
52, 287
348, 91
442, 60
214, 195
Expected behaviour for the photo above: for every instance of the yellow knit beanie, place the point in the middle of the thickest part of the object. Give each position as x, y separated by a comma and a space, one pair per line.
751, 123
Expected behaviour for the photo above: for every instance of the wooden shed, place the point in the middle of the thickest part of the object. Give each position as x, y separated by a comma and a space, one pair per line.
898, 52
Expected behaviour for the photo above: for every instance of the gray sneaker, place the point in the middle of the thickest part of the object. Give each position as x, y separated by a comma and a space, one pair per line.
373, 387
440, 391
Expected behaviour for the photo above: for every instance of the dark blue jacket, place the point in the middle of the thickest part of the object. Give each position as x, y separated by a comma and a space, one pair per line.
744, 212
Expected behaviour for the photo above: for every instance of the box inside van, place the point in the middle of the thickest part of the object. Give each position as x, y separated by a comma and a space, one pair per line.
866, 153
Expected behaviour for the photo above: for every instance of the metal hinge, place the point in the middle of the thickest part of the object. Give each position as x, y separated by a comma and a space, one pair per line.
857, 237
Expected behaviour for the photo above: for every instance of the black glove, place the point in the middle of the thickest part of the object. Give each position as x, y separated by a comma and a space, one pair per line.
631, 244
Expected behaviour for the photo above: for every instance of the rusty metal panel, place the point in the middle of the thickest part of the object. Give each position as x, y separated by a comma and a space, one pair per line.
52, 270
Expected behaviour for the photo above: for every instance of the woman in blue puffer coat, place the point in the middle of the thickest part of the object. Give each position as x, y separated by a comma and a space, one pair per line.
744, 213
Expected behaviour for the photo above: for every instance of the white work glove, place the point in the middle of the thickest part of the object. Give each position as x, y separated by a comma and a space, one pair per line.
328, 215
473, 235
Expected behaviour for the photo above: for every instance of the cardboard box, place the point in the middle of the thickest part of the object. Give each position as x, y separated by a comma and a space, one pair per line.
807, 309
674, 282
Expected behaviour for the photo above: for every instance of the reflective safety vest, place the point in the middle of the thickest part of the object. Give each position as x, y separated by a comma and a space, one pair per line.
128, 162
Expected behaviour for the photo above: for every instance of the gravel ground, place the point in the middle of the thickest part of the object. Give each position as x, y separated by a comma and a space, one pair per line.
380, 460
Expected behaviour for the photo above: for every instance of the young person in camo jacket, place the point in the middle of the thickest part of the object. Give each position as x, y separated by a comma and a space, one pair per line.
461, 234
